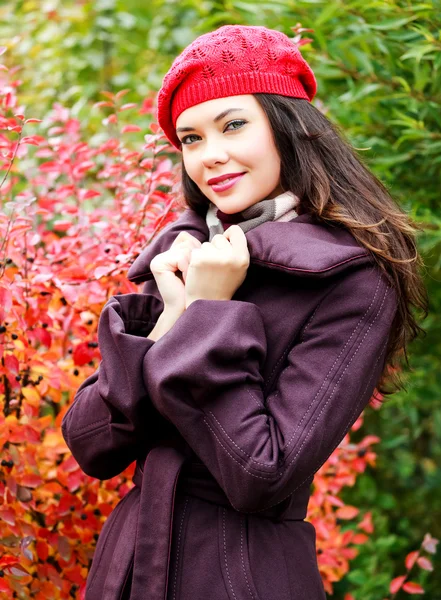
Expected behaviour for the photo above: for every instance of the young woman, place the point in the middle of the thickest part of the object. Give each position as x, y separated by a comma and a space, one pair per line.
273, 308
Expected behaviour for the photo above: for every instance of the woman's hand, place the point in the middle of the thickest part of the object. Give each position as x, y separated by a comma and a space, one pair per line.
217, 268
165, 267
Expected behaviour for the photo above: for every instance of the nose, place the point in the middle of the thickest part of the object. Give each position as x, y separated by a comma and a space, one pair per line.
213, 153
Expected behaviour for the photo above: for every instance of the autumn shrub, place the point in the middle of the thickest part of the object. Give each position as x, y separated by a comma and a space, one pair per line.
74, 215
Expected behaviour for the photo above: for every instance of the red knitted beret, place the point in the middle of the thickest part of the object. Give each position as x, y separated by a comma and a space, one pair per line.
230, 61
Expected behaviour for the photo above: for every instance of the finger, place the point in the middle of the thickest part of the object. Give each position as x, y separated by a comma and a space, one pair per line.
236, 236
187, 238
184, 260
206, 251
220, 241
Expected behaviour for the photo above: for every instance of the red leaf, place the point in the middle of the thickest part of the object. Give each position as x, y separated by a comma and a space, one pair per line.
31, 480
8, 516
82, 354
50, 167
130, 128
43, 336
30, 139
5, 302
8, 560
396, 584
86, 194
42, 550
11, 363
73, 274
4, 586
412, 588
410, 559
62, 225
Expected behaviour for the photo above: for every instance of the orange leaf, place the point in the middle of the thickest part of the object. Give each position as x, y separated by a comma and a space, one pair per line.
347, 512
360, 538
412, 588
102, 103
121, 93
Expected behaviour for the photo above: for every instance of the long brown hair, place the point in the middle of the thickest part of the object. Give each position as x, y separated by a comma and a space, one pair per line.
320, 166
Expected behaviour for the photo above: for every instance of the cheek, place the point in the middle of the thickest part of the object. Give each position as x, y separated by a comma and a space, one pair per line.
261, 151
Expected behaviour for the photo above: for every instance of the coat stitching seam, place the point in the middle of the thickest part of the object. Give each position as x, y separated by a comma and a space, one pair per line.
302, 333
90, 434
338, 381
330, 371
259, 404
306, 478
289, 346
105, 419
114, 513
242, 558
289, 464
178, 549
265, 464
284, 267
238, 447
225, 551
231, 456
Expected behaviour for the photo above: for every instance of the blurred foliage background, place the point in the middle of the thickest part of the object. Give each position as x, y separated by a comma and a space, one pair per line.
378, 66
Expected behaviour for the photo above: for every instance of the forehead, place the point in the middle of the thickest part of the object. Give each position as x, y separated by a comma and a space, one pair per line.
207, 111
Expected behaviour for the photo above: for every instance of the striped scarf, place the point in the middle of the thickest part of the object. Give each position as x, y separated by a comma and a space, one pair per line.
280, 208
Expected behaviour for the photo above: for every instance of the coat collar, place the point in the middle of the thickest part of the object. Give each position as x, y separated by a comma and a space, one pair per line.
303, 246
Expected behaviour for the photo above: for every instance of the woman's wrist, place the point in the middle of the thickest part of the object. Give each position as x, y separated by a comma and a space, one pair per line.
165, 322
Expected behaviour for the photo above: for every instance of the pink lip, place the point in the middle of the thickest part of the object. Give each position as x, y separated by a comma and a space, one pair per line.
220, 187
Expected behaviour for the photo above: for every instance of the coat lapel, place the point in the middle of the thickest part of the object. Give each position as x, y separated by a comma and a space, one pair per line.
303, 247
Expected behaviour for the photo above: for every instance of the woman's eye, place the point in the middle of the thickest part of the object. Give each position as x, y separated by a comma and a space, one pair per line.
240, 121
183, 141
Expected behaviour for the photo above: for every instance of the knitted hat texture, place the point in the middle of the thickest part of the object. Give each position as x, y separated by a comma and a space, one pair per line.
230, 61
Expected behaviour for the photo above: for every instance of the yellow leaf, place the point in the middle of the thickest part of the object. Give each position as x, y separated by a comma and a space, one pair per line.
31, 395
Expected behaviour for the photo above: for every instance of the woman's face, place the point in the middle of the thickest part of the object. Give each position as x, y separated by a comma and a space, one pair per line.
241, 141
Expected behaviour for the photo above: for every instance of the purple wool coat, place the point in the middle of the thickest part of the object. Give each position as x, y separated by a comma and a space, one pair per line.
229, 415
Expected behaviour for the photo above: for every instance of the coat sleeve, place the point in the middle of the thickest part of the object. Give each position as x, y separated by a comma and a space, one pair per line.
111, 416
205, 376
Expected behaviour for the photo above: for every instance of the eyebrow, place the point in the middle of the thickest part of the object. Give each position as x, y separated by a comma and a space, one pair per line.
215, 120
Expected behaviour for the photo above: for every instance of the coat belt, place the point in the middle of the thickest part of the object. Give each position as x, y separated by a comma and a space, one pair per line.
154, 530
159, 479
